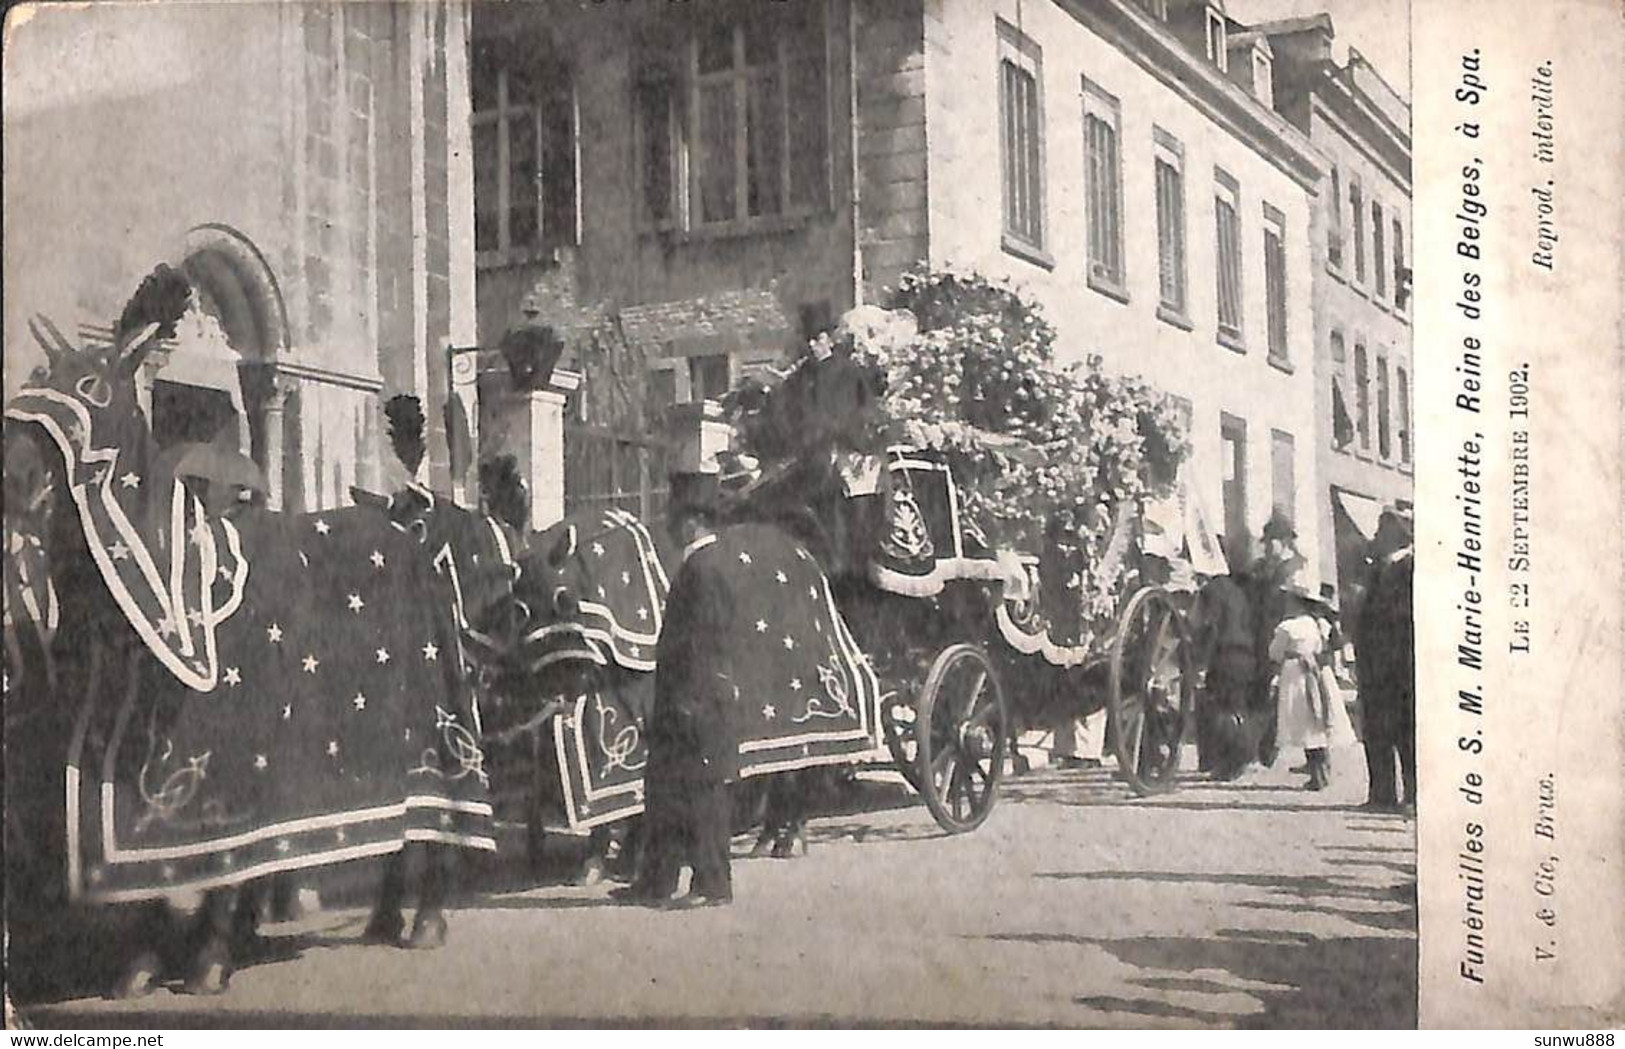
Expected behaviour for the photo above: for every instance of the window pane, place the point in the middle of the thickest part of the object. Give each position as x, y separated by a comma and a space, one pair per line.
1378, 257
1229, 267
662, 390
761, 40
654, 116
1170, 236
716, 42
558, 170
809, 127
524, 178
487, 206
1275, 292
1358, 202
1012, 151
716, 153
484, 70
1033, 192
1384, 423
1283, 475
1402, 381
764, 138
1362, 396
708, 376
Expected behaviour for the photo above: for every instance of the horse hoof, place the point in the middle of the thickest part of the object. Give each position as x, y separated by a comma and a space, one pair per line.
211, 974
139, 979
384, 930
428, 933
791, 847
591, 873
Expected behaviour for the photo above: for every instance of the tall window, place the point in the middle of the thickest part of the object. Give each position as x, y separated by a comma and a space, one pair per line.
525, 156
1402, 276
1283, 475
1342, 421
1362, 396
1218, 47
1402, 383
1379, 260
732, 121
1103, 187
1385, 447
1021, 130
1227, 242
1357, 202
1233, 453
1334, 230
1170, 178
1275, 283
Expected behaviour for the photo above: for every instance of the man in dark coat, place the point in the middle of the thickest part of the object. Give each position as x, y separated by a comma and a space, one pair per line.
1226, 638
1268, 596
1385, 656
693, 750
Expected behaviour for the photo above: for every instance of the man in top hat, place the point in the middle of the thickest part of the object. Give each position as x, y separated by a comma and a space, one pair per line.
1385, 658
693, 750
1225, 626
1268, 580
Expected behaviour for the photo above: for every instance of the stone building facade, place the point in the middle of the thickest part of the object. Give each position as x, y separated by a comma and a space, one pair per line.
1362, 286
741, 173
316, 186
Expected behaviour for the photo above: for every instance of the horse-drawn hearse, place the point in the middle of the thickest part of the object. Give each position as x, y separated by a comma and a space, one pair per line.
202, 693
936, 645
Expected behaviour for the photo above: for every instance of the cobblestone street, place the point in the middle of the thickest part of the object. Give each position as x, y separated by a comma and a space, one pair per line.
1247, 904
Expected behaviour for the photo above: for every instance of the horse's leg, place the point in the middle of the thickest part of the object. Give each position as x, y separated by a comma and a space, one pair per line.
284, 904
429, 924
143, 971
592, 867
386, 924
209, 970
790, 837
771, 809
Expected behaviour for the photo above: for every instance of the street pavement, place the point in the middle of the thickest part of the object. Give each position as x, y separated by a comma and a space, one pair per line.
1246, 904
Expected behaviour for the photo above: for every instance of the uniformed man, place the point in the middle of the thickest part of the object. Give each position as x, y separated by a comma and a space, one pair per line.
693, 749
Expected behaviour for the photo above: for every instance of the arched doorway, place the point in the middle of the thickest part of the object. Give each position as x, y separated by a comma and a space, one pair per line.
215, 381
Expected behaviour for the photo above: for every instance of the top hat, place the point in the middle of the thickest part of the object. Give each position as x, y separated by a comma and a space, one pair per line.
695, 491
1278, 527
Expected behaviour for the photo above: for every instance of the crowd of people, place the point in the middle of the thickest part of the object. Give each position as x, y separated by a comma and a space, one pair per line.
1274, 653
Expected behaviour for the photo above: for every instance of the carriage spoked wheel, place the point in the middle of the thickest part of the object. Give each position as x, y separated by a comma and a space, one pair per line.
961, 736
1152, 691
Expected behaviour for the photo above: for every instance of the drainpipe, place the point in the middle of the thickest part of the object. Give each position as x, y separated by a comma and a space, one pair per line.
852, 125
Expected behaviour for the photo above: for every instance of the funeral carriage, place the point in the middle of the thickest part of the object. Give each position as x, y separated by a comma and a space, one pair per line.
936, 642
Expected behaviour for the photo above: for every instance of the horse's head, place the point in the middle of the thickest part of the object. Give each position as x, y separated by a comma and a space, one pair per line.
593, 592
103, 378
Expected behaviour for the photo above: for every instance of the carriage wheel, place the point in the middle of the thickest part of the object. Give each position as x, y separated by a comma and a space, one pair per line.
1153, 688
961, 738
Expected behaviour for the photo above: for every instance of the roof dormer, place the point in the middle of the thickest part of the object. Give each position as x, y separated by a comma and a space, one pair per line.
1252, 65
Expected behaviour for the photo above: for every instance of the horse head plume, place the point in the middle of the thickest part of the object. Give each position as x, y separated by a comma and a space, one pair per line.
404, 413
563, 548
152, 312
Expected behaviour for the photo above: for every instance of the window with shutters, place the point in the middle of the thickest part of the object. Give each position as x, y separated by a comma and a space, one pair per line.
1283, 475
1342, 422
1103, 190
1385, 422
1379, 260
1227, 248
1357, 203
1402, 273
1170, 190
732, 120
1362, 396
1402, 386
526, 160
1021, 138
1334, 228
1275, 284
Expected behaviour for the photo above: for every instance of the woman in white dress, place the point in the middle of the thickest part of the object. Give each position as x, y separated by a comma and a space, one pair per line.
1309, 706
